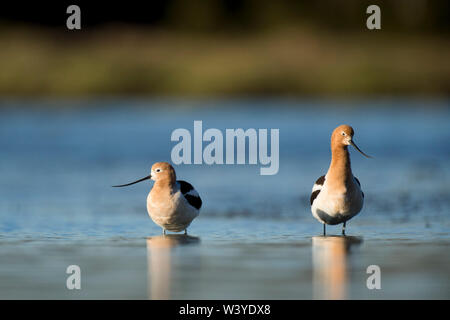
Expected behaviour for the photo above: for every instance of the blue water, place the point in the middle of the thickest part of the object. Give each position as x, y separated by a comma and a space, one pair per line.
255, 233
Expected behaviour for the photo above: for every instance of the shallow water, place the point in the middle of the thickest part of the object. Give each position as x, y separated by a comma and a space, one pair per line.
255, 237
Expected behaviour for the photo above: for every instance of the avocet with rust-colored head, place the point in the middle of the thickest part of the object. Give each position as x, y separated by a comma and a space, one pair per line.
337, 196
172, 204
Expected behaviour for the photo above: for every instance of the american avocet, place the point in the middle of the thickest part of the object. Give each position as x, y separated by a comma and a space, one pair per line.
337, 197
172, 204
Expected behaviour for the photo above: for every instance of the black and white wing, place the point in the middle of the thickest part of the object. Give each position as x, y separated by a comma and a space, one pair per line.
190, 194
316, 188
359, 184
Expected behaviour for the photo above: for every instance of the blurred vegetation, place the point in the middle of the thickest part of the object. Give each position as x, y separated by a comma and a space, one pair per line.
233, 48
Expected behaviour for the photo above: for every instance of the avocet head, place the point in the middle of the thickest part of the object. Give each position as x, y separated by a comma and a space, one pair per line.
343, 136
160, 171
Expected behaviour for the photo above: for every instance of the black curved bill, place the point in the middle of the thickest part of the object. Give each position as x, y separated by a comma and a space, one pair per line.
129, 184
356, 147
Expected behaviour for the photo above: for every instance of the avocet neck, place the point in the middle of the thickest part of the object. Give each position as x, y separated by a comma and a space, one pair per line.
340, 171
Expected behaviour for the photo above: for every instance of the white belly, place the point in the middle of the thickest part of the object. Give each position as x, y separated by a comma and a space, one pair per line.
337, 207
173, 214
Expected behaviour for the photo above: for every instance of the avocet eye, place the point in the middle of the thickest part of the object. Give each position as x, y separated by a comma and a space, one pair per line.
158, 170
343, 133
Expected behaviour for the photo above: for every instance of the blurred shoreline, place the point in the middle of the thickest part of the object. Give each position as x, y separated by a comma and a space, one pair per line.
286, 103
123, 61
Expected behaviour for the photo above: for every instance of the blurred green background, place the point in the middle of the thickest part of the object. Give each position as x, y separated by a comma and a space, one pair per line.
224, 48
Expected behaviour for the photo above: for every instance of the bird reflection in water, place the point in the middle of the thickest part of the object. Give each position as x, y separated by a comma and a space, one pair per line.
159, 262
330, 265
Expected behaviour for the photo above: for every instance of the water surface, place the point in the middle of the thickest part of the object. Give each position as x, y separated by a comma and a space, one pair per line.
255, 237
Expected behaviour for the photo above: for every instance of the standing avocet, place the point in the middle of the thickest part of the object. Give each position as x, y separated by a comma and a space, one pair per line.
172, 204
337, 196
